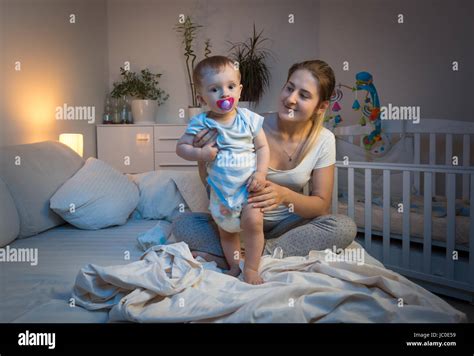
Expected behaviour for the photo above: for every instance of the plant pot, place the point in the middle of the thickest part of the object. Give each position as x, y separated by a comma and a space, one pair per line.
144, 111
193, 111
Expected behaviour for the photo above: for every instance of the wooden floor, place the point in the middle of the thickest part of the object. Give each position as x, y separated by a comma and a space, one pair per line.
461, 305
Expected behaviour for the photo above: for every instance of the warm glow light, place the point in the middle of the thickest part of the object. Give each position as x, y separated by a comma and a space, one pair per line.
74, 141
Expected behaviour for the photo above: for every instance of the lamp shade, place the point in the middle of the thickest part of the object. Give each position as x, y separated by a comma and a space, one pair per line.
74, 141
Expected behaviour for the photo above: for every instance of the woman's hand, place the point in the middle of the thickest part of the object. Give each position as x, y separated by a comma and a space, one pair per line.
208, 153
206, 137
268, 198
256, 182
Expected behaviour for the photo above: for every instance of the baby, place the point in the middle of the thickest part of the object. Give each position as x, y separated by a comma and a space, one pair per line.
237, 166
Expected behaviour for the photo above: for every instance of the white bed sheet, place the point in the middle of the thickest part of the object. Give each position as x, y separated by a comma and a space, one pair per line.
41, 293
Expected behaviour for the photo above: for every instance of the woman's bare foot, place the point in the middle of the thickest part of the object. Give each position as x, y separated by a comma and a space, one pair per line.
220, 261
234, 271
251, 276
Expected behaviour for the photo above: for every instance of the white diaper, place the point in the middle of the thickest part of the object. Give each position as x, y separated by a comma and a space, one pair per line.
231, 222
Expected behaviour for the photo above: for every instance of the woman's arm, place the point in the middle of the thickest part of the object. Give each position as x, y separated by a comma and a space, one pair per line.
318, 203
203, 138
202, 172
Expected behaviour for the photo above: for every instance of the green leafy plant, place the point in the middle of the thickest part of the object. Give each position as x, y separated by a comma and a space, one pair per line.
143, 86
251, 57
188, 30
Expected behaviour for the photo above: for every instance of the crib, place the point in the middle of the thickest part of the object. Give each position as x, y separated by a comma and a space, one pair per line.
436, 252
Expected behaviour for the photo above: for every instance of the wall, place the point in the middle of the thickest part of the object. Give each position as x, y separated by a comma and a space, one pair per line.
61, 63
411, 62
77, 63
142, 33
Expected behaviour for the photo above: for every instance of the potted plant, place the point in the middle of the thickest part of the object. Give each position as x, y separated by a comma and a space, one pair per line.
145, 92
188, 30
251, 57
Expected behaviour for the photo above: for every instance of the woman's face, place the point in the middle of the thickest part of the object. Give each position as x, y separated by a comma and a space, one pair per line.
299, 97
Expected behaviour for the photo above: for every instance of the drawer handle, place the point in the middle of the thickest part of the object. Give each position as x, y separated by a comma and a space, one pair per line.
143, 137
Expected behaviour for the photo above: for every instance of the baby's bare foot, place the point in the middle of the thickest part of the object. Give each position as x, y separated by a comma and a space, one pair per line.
220, 261
234, 271
251, 276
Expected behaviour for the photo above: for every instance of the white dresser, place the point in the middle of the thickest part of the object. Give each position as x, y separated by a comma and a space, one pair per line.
141, 147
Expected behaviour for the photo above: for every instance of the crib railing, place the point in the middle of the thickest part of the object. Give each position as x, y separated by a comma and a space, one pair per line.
428, 171
432, 129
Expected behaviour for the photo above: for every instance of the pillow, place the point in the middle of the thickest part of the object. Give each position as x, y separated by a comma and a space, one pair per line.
401, 152
9, 219
159, 196
192, 190
96, 197
32, 173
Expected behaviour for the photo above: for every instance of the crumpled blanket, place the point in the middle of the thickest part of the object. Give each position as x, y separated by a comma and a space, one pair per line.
168, 285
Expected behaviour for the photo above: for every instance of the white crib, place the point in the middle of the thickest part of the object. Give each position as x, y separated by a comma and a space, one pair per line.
442, 266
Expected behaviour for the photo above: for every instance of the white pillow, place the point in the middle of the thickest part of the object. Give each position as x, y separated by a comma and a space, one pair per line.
159, 196
97, 196
9, 219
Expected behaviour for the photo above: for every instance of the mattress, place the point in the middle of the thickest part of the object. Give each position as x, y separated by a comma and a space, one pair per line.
41, 293
438, 229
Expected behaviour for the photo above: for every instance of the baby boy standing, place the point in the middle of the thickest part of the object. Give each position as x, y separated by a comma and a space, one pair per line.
236, 166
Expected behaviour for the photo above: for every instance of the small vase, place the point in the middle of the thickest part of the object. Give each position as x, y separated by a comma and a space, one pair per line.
144, 111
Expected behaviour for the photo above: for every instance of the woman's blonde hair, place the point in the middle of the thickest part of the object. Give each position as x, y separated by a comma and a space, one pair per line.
326, 82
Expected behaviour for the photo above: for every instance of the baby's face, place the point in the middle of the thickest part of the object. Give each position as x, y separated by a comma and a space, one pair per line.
220, 91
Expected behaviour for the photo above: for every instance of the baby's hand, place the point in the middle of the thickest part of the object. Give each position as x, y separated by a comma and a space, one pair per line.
256, 182
209, 153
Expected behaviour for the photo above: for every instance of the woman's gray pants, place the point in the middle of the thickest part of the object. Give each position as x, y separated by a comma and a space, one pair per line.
295, 235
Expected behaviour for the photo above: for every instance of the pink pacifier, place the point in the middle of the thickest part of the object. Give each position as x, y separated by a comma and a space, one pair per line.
225, 104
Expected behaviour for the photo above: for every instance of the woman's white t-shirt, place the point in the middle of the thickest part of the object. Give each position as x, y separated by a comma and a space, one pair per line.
323, 154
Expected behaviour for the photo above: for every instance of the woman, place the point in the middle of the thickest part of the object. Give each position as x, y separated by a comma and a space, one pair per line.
302, 151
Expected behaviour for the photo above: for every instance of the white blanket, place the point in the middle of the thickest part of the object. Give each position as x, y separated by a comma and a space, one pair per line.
169, 285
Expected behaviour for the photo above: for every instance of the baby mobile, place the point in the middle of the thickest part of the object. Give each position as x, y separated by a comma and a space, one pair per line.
375, 141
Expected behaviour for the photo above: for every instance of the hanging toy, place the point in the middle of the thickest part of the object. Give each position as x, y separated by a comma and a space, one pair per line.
225, 104
356, 105
370, 110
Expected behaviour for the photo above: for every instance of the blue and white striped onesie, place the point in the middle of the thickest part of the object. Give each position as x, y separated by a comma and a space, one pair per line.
229, 173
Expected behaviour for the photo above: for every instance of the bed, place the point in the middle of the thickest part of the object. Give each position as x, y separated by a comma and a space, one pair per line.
108, 274
432, 241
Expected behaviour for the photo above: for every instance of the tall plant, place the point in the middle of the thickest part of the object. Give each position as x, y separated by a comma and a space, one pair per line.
188, 30
251, 57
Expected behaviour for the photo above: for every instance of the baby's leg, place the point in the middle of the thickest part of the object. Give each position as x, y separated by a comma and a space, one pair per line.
252, 225
230, 242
